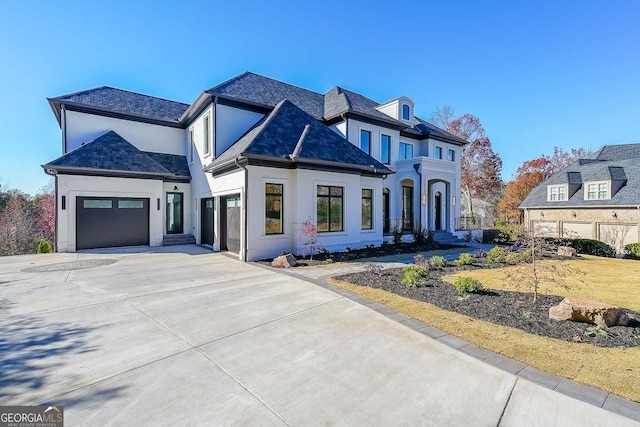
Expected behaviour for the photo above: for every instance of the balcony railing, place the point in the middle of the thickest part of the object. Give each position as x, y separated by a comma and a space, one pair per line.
468, 223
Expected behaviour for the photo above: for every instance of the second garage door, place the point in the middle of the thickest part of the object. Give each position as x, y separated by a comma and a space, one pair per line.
103, 222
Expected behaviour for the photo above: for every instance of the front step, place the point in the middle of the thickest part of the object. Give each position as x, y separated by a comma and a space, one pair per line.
178, 239
447, 238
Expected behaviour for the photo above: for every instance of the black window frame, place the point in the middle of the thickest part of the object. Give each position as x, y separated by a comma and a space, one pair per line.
368, 198
273, 196
330, 197
207, 135
437, 152
406, 109
452, 155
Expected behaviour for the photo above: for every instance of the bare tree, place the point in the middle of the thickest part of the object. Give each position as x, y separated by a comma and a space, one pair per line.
615, 235
18, 234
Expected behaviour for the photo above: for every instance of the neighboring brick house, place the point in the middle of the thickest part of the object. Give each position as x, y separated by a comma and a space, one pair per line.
596, 198
245, 165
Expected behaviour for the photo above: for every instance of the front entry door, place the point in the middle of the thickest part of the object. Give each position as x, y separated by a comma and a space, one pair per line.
438, 211
230, 223
206, 221
175, 213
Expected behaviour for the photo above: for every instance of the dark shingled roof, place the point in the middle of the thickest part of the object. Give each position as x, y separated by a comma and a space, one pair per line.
125, 102
291, 135
265, 91
113, 154
604, 167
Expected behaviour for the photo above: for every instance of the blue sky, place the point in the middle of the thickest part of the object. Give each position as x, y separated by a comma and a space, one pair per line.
537, 74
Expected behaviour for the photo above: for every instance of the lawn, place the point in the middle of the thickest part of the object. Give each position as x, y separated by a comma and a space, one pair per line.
614, 281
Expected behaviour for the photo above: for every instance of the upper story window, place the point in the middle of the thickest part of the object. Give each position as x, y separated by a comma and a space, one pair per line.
597, 191
385, 149
365, 141
191, 143
557, 193
437, 153
406, 112
406, 151
452, 155
207, 136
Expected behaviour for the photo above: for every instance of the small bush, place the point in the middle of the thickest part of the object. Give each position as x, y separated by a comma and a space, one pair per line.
513, 257
632, 251
423, 237
415, 276
467, 284
438, 262
374, 269
397, 235
497, 255
587, 246
44, 247
510, 231
527, 255
465, 259
480, 253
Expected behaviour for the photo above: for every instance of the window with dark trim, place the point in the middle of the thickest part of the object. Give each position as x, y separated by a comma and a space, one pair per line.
406, 112
207, 136
385, 148
406, 151
437, 153
452, 155
273, 194
367, 209
365, 141
329, 208
191, 143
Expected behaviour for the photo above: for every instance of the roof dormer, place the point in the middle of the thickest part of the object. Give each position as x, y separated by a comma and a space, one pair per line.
399, 109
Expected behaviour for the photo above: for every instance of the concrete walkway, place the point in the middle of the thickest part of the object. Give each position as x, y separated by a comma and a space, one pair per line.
181, 336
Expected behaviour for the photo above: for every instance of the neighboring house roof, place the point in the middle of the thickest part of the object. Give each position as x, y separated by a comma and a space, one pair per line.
111, 154
290, 135
120, 101
615, 163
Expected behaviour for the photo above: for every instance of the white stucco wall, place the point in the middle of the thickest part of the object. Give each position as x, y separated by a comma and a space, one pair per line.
82, 128
231, 124
73, 186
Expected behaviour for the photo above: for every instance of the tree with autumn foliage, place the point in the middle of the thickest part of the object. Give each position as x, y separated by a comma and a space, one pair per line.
481, 166
531, 174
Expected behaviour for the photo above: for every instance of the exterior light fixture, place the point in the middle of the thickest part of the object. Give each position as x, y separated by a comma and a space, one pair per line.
573, 214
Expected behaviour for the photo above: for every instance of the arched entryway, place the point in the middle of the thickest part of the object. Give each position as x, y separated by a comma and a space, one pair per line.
440, 207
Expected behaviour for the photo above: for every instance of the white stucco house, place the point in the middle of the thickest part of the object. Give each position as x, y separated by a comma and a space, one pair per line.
245, 165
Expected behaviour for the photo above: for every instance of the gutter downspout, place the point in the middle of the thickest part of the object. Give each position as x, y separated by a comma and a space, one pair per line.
417, 167
244, 209
63, 113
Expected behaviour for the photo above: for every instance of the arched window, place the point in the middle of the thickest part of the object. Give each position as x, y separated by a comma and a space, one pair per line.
405, 112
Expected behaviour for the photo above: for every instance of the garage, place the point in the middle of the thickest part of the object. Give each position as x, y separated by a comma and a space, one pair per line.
103, 222
545, 228
618, 234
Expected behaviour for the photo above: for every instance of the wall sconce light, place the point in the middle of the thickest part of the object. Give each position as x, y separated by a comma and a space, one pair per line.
424, 199
573, 214
158, 203
542, 214
453, 201
175, 188
615, 215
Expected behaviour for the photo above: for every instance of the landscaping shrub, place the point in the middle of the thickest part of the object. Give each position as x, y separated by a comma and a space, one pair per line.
510, 231
397, 235
465, 259
421, 260
415, 276
513, 257
437, 262
423, 237
587, 246
467, 284
497, 255
632, 251
44, 247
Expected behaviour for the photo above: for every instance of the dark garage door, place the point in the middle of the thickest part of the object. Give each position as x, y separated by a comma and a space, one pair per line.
103, 222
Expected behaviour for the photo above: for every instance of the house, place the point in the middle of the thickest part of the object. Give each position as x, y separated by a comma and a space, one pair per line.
596, 198
245, 165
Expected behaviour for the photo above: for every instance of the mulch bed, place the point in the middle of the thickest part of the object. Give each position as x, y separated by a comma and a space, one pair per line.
513, 309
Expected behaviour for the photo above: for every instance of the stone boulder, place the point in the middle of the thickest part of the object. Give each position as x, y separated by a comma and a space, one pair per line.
284, 261
594, 312
567, 251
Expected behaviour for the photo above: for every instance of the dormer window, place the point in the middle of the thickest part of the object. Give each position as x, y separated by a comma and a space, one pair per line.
597, 191
556, 193
406, 112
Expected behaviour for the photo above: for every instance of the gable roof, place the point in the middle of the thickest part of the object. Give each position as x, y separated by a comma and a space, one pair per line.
110, 154
610, 163
291, 136
118, 101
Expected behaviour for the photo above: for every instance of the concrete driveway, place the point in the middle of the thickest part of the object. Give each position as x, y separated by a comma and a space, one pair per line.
182, 336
